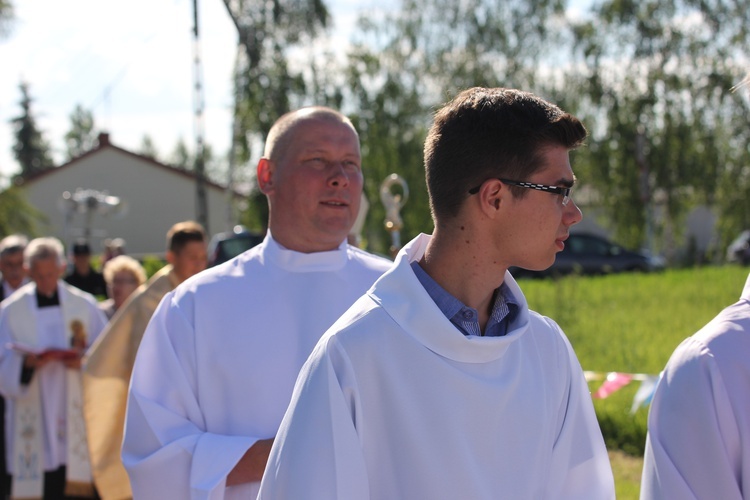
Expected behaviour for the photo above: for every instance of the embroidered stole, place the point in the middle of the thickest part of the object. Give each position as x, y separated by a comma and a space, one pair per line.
28, 438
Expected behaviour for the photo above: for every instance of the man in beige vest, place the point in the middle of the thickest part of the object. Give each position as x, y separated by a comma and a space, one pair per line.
109, 362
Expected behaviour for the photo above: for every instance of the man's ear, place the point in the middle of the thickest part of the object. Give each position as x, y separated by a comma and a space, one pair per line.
264, 174
170, 257
491, 196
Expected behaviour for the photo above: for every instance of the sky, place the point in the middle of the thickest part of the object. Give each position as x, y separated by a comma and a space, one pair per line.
129, 63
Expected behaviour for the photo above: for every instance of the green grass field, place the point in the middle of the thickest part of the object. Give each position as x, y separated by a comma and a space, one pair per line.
631, 323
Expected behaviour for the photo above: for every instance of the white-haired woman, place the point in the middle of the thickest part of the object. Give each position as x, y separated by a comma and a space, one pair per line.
123, 275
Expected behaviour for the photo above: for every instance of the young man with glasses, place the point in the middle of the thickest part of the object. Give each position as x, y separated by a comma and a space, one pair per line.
440, 382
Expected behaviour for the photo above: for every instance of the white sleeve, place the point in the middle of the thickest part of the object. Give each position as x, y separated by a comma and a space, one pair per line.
167, 450
317, 452
693, 449
11, 362
580, 463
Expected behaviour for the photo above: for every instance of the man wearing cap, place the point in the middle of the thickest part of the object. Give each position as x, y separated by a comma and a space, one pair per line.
83, 276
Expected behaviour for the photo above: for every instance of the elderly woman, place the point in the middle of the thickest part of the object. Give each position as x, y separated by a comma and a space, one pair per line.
123, 276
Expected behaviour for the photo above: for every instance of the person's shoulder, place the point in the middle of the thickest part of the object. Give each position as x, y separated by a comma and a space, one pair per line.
363, 324
725, 339
369, 260
19, 295
225, 277
545, 330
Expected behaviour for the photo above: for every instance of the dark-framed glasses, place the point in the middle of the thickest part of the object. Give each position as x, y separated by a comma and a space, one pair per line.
562, 191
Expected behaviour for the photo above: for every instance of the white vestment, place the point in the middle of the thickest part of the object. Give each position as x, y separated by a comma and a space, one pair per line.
396, 403
215, 370
698, 444
23, 323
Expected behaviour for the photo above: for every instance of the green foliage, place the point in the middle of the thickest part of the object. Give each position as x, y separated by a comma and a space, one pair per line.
81, 137
16, 214
152, 264
265, 86
405, 63
632, 323
30, 148
148, 148
666, 131
6, 17
627, 471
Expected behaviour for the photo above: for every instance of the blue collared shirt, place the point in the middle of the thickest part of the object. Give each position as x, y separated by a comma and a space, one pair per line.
465, 318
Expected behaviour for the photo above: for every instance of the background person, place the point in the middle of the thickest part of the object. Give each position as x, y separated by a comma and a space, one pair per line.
217, 364
112, 248
13, 277
44, 329
83, 275
109, 362
123, 275
440, 382
11, 264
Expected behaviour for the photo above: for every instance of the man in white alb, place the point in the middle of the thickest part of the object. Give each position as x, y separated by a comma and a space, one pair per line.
45, 328
440, 382
216, 367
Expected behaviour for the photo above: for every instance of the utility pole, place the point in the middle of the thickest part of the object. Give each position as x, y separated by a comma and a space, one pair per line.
201, 204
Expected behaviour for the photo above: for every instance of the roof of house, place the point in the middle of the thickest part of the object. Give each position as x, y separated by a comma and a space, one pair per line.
103, 143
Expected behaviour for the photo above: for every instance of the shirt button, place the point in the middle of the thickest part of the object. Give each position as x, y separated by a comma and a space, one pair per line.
468, 315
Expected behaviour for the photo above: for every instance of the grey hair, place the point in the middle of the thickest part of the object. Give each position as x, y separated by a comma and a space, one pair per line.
13, 243
43, 249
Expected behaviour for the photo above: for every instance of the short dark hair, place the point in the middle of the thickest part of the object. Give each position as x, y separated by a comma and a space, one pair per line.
484, 133
81, 248
183, 233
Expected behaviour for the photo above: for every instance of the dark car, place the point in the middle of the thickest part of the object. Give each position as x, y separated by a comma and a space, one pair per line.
225, 246
739, 249
591, 254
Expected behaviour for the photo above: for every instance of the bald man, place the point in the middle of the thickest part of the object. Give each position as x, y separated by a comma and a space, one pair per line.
217, 365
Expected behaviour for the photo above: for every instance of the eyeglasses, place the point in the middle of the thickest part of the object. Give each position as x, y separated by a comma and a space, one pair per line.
563, 191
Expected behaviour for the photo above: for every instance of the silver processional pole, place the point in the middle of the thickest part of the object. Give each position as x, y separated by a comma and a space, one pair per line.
393, 202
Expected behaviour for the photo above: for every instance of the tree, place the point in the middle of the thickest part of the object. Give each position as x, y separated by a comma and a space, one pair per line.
6, 17
30, 149
181, 156
148, 148
16, 214
265, 85
407, 61
81, 137
654, 79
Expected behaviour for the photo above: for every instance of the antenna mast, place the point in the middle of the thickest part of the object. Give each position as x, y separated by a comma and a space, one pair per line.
201, 204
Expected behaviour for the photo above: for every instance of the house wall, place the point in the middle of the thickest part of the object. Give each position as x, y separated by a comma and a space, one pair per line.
156, 196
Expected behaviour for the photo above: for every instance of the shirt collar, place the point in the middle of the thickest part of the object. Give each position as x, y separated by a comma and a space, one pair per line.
504, 307
45, 301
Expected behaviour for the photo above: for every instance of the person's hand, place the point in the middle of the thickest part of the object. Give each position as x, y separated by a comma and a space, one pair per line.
34, 362
252, 464
73, 363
